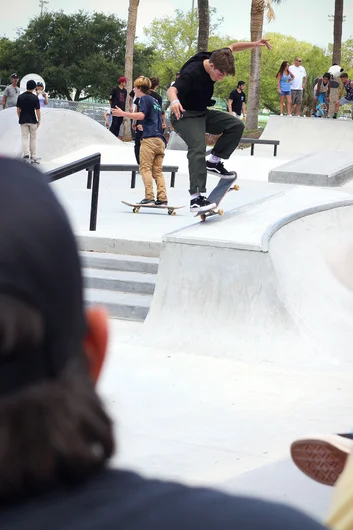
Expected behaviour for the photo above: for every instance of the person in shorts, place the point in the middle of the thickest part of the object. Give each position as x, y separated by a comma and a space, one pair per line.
321, 94
298, 84
284, 85
347, 99
153, 142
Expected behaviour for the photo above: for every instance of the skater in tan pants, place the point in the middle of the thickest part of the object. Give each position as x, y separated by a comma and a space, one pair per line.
153, 141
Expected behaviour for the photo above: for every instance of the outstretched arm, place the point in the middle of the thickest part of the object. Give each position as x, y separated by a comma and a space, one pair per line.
241, 46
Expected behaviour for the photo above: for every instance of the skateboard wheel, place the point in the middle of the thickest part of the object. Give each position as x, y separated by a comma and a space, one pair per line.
220, 212
203, 217
173, 212
236, 187
136, 210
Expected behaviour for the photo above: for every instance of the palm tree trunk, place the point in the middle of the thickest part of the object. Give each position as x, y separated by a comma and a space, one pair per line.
337, 32
256, 27
129, 58
204, 25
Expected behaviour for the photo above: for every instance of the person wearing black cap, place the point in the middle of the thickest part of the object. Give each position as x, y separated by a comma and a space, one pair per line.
117, 98
56, 438
42, 96
237, 101
11, 93
28, 111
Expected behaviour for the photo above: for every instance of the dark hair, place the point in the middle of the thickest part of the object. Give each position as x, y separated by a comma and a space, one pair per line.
154, 82
223, 60
240, 83
282, 68
40, 84
31, 85
344, 75
327, 75
52, 432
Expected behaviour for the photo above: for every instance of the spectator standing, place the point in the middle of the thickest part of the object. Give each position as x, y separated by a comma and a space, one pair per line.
11, 93
284, 84
117, 98
335, 71
28, 111
237, 101
298, 84
153, 93
42, 96
321, 94
347, 85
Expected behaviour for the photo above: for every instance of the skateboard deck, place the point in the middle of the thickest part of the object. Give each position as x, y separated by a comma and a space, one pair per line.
216, 196
136, 207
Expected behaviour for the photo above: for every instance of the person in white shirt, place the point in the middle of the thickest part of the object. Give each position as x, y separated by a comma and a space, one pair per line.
298, 84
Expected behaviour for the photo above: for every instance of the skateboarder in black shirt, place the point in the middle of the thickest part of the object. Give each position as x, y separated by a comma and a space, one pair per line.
56, 438
190, 96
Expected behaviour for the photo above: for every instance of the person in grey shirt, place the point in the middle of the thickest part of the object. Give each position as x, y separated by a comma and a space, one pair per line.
11, 93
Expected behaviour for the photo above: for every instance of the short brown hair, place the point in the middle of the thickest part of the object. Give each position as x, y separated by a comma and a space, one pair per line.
223, 60
154, 81
344, 75
143, 83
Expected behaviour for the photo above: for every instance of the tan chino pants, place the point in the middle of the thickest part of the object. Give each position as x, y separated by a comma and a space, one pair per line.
29, 139
151, 161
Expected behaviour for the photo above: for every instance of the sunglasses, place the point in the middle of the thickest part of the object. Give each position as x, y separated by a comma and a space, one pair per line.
299, 60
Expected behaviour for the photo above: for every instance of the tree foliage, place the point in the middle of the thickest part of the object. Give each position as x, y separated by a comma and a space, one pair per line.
79, 55
174, 40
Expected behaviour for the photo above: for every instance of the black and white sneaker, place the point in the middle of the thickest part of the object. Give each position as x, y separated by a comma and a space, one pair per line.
219, 169
35, 160
147, 202
158, 202
26, 158
201, 204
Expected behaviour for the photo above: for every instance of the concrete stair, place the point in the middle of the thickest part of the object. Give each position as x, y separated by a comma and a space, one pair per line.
123, 284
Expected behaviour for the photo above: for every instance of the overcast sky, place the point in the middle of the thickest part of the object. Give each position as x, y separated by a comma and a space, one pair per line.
303, 19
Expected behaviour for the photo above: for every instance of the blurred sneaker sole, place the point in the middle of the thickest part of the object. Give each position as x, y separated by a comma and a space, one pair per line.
322, 458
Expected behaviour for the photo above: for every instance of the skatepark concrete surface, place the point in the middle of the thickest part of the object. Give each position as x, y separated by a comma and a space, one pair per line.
247, 344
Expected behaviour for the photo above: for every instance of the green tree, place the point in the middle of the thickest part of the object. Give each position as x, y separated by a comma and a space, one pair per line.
78, 55
174, 40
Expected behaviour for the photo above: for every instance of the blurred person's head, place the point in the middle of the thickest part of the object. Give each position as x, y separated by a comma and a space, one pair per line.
39, 87
283, 67
344, 78
327, 76
241, 85
122, 81
297, 61
14, 79
54, 429
154, 82
31, 85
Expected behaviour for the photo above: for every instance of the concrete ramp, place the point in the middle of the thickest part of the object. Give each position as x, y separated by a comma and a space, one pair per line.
299, 136
256, 286
324, 168
61, 132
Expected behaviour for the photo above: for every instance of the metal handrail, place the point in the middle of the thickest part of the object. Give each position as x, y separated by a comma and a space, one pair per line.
73, 167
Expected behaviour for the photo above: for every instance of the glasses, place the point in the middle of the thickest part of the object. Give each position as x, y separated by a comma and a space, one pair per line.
299, 60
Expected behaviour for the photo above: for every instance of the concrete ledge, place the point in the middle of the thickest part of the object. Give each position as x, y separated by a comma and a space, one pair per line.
118, 246
318, 169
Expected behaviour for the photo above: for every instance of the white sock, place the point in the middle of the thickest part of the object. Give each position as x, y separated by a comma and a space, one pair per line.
194, 196
214, 159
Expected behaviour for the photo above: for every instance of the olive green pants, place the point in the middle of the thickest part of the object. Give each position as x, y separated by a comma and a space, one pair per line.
192, 127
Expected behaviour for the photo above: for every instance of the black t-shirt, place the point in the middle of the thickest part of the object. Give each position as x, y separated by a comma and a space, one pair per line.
237, 101
156, 96
28, 103
118, 97
194, 85
119, 500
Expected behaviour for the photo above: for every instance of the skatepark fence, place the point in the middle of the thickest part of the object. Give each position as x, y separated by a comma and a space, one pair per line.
89, 162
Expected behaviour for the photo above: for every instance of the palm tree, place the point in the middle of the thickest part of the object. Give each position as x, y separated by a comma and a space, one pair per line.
337, 31
204, 25
129, 57
258, 8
